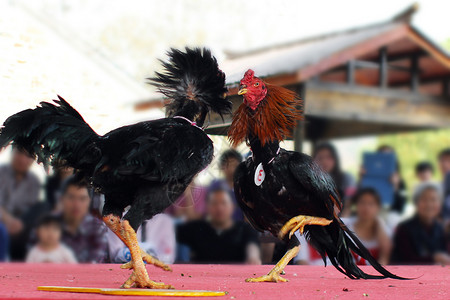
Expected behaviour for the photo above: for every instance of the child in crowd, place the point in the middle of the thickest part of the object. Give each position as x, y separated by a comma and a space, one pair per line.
49, 248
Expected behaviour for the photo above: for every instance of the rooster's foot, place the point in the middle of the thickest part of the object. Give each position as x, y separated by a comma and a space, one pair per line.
148, 259
299, 223
271, 277
139, 279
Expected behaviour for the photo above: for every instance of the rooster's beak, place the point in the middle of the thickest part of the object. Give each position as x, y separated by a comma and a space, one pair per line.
242, 90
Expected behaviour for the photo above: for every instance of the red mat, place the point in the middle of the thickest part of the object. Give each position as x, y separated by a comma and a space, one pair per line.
19, 281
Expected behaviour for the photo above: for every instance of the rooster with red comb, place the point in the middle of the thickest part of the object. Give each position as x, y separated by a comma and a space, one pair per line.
284, 191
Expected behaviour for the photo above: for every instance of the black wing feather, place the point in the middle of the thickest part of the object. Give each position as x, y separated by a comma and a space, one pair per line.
241, 191
161, 150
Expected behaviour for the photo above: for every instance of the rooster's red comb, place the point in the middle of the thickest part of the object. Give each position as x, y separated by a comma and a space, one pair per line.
248, 77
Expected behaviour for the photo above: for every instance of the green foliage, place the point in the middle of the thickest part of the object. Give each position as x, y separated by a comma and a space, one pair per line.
446, 45
415, 147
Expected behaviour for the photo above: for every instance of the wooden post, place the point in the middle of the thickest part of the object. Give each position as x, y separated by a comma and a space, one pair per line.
299, 130
351, 72
383, 71
445, 87
414, 83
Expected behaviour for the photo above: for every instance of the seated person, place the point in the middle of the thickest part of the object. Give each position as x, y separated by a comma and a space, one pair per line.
424, 172
220, 239
369, 227
191, 205
228, 162
53, 184
84, 234
421, 239
19, 191
49, 248
4, 243
156, 236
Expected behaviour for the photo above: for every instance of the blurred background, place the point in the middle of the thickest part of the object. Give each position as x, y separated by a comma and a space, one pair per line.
374, 77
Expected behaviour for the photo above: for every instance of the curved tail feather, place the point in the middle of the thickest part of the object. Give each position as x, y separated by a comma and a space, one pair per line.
52, 132
336, 241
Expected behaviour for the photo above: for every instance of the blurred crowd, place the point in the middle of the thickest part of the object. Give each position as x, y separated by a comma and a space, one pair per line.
59, 221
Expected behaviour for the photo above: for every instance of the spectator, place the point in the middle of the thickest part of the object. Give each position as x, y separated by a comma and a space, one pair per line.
19, 191
228, 162
369, 227
400, 192
444, 166
220, 239
191, 205
424, 171
4, 243
49, 248
84, 234
421, 239
326, 156
444, 161
156, 236
53, 185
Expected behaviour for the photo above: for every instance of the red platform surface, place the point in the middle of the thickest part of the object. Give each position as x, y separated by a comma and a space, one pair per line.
19, 281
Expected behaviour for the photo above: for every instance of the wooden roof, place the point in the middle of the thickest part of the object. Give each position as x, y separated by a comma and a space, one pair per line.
385, 77
301, 60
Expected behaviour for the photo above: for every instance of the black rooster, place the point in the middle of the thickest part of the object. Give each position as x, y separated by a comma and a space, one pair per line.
147, 165
283, 191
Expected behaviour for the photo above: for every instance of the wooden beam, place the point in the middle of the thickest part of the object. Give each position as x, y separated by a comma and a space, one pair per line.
382, 106
362, 64
423, 80
383, 70
361, 49
367, 64
414, 82
350, 72
429, 47
406, 55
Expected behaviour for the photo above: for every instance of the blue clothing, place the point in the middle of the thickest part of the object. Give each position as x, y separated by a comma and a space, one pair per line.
4, 243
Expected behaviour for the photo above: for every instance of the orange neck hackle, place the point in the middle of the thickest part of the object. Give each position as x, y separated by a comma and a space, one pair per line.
272, 121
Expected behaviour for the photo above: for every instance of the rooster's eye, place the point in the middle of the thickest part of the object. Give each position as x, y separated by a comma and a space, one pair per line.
256, 84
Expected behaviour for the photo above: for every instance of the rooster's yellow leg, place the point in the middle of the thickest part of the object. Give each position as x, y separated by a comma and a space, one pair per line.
299, 223
139, 277
274, 274
294, 224
148, 259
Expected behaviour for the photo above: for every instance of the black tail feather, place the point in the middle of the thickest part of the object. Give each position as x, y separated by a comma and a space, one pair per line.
336, 241
52, 132
189, 76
